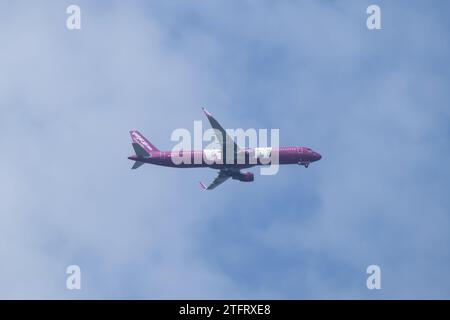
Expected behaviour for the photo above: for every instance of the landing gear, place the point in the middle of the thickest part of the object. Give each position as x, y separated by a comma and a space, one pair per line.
305, 164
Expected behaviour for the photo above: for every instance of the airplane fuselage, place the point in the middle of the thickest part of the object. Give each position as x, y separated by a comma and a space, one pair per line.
213, 158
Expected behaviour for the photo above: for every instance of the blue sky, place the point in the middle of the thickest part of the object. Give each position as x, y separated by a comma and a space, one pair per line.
373, 103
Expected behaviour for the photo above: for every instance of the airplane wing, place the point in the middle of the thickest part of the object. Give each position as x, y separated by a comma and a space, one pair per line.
221, 178
224, 139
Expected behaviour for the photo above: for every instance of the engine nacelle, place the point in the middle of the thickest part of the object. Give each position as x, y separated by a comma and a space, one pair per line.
245, 177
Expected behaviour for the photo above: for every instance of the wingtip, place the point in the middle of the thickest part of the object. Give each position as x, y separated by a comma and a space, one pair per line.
202, 186
206, 112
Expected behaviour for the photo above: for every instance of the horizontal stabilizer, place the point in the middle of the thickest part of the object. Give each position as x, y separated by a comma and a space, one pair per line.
137, 164
140, 152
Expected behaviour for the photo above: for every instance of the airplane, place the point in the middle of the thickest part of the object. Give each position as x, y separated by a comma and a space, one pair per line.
146, 152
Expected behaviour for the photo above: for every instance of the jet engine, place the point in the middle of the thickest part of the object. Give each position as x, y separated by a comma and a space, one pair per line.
245, 177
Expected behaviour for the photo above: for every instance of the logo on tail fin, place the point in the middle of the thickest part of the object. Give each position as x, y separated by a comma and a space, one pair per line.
140, 140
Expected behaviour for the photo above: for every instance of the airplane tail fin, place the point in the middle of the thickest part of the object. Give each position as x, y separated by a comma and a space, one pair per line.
142, 147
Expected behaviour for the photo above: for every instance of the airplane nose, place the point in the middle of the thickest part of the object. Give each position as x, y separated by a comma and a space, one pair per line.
318, 156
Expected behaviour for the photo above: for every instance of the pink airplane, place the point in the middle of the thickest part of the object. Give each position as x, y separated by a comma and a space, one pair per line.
146, 152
